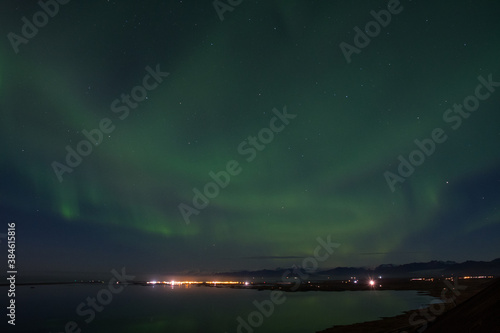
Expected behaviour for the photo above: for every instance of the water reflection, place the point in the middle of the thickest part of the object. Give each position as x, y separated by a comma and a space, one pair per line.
202, 309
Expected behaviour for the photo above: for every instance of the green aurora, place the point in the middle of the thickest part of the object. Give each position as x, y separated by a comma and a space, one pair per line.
323, 174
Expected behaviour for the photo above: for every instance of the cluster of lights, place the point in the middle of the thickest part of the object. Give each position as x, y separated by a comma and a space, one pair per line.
353, 279
174, 283
477, 277
371, 281
180, 283
422, 279
225, 282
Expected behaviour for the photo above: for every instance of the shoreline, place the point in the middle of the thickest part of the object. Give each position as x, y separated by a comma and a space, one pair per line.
414, 320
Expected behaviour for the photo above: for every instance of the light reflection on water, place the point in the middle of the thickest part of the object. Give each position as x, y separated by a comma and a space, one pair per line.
201, 309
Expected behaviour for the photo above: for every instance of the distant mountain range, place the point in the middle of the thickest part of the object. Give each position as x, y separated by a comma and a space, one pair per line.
420, 269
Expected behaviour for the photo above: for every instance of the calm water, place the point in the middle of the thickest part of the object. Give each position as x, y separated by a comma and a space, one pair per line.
200, 309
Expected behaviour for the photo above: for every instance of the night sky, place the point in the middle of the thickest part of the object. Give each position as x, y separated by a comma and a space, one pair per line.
321, 171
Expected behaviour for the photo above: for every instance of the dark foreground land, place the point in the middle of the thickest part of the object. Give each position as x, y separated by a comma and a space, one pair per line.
472, 306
